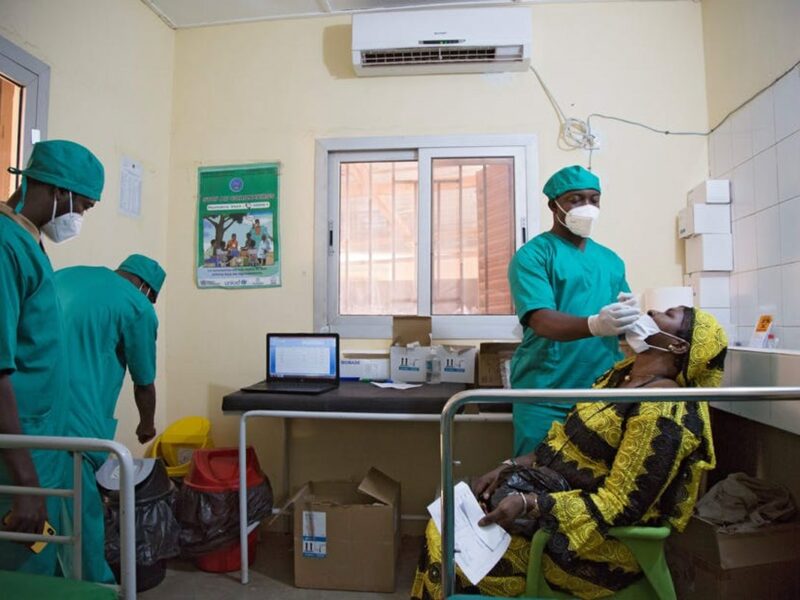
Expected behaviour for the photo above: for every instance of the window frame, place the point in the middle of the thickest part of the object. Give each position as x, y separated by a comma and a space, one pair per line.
34, 76
330, 154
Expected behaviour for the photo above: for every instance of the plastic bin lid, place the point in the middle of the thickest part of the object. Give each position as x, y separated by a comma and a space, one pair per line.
191, 431
108, 474
217, 470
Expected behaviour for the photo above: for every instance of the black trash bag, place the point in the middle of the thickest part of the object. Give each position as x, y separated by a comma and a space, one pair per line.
528, 480
210, 520
157, 530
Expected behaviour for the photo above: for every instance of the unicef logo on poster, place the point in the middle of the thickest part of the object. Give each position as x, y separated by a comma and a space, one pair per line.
236, 184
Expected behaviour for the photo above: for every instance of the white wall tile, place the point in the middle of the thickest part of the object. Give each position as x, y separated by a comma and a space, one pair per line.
786, 99
742, 191
734, 279
790, 230
743, 334
788, 157
790, 340
768, 295
721, 157
768, 237
744, 244
742, 135
747, 300
765, 178
763, 115
790, 277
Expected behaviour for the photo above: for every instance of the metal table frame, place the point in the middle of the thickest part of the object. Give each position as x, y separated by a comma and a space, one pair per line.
739, 394
76, 446
299, 414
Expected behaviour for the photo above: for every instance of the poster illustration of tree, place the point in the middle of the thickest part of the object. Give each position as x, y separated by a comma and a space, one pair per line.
238, 243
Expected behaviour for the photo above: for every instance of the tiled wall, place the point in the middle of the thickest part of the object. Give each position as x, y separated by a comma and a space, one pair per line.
758, 149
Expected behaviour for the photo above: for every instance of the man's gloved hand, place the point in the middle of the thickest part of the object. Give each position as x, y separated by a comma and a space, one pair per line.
629, 299
613, 319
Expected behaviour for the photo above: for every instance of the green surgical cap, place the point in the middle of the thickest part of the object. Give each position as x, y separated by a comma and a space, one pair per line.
145, 269
66, 165
568, 179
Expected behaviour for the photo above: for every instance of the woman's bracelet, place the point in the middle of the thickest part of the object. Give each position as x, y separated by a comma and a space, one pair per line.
524, 503
510, 462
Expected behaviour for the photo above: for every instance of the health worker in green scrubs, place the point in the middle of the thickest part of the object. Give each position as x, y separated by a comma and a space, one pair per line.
110, 326
572, 300
61, 181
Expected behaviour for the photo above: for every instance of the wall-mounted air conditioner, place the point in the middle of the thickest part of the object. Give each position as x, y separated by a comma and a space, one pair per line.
476, 40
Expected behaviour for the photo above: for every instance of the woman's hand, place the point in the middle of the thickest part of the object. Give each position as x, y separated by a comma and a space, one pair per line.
510, 508
484, 486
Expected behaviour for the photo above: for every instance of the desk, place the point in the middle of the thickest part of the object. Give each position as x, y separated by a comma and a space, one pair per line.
352, 401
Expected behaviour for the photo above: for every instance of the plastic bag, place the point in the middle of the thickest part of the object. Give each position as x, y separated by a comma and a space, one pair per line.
210, 520
157, 531
528, 480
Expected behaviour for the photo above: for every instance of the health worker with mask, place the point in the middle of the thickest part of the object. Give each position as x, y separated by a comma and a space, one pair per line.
61, 181
572, 299
111, 326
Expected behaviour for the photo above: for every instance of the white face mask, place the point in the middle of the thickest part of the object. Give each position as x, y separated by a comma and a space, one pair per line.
642, 329
64, 227
581, 219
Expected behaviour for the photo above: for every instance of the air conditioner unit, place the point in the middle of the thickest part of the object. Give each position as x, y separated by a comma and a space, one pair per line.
477, 40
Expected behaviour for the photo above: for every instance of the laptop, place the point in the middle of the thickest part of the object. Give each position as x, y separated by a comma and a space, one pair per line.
300, 363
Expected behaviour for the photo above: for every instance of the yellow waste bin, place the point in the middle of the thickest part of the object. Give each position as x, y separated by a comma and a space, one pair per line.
179, 441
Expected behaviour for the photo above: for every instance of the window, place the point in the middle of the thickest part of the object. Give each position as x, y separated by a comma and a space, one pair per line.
24, 90
422, 229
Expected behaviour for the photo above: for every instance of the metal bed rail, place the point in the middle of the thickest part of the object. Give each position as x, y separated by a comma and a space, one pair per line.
76, 446
456, 402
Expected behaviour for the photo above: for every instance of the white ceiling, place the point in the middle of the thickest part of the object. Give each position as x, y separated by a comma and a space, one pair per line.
180, 14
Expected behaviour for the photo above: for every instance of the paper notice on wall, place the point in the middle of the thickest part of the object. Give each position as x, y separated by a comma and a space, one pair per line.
130, 187
478, 549
315, 538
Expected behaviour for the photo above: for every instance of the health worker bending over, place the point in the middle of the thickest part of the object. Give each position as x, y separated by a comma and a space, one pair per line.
573, 301
62, 180
111, 325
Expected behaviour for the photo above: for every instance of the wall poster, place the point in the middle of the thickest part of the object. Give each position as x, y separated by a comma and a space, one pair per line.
238, 218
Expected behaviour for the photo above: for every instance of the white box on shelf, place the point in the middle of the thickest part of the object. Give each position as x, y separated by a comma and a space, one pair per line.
711, 289
709, 252
697, 219
711, 191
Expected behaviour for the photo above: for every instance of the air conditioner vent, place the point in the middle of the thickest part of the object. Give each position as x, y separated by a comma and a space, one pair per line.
436, 56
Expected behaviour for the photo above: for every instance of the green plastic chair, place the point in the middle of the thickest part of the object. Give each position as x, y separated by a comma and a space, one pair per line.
646, 544
24, 585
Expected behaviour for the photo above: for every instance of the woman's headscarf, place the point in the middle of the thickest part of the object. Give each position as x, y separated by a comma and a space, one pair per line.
709, 344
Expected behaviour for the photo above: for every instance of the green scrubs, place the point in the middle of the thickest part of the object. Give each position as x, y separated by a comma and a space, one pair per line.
551, 273
110, 326
32, 351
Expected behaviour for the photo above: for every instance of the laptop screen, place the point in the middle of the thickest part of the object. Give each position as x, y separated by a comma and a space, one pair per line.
303, 357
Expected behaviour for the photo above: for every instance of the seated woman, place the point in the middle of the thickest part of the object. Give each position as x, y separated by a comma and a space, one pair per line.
626, 464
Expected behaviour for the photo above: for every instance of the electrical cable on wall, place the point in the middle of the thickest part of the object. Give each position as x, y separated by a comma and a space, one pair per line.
576, 134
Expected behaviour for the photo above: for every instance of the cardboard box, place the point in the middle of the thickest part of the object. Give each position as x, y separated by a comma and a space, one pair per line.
490, 357
710, 289
367, 365
458, 363
347, 535
697, 219
408, 364
711, 191
407, 330
709, 252
709, 565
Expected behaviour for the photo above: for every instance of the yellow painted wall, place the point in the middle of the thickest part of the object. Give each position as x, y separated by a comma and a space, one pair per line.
266, 91
748, 44
111, 83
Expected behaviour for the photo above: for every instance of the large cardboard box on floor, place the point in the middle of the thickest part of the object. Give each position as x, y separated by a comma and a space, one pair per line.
347, 535
709, 565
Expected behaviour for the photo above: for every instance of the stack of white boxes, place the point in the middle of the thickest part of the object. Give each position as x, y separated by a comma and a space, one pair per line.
705, 225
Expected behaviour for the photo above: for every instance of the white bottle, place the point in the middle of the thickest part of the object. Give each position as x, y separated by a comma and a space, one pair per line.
433, 367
